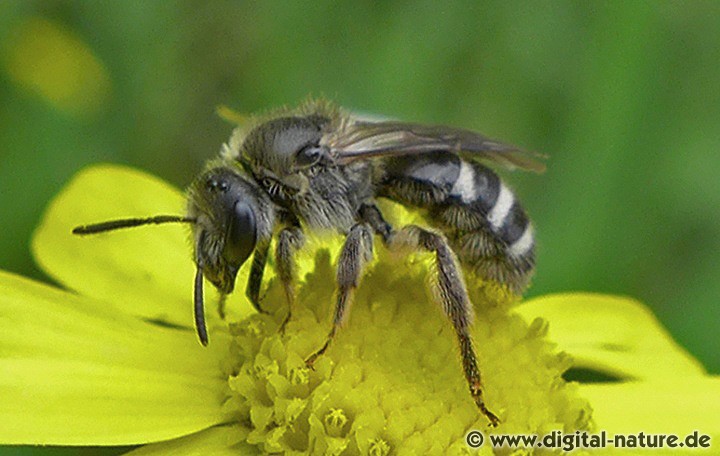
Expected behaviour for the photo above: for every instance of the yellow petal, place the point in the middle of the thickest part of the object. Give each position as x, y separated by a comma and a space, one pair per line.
75, 371
679, 407
221, 440
612, 334
146, 271
51, 402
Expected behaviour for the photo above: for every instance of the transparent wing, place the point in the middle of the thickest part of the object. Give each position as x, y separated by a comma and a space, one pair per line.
358, 140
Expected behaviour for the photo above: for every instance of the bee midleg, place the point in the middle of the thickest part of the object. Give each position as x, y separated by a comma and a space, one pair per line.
371, 214
356, 252
257, 269
290, 240
448, 286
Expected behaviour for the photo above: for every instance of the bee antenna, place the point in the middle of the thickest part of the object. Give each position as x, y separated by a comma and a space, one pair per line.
200, 307
129, 223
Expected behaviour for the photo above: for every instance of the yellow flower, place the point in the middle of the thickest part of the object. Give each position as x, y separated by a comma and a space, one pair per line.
113, 360
47, 59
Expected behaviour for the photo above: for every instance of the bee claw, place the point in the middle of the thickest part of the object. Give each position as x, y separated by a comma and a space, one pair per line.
310, 360
476, 392
310, 363
494, 420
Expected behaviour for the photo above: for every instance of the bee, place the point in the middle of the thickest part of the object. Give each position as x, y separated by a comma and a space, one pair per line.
318, 168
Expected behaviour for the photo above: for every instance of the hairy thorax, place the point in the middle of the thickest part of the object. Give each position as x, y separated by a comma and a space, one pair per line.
327, 203
323, 197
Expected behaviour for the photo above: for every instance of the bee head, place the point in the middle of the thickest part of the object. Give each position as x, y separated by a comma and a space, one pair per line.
225, 232
222, 208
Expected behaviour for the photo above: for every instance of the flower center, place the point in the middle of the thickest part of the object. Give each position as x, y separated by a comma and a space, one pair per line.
392, 378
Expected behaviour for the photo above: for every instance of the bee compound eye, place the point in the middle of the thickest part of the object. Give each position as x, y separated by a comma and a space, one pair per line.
308, 155
241, 235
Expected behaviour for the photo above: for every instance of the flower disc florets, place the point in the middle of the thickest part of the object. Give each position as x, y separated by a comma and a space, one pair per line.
391, 382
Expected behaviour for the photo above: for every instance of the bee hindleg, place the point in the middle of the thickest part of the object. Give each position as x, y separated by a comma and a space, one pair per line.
449, 289
252, 291
290, 240
356, 252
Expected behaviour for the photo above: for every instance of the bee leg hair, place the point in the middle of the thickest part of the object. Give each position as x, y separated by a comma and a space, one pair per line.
356, 252
448, 286
290, 240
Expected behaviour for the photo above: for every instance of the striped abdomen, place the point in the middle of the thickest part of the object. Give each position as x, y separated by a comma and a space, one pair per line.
485, 224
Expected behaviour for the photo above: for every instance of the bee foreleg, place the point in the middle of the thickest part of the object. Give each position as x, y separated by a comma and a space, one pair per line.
356, 252
221, 305
252, 291
449, 288
289, 241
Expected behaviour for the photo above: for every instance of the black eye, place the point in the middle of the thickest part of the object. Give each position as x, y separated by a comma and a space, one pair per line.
309, 155
241, 234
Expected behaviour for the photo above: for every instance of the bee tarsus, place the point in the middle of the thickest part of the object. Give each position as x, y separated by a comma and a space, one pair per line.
289, 241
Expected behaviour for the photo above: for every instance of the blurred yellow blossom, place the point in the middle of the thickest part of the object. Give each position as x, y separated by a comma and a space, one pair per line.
45, 58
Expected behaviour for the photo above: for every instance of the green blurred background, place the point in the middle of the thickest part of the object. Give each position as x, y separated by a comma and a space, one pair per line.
623, 96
